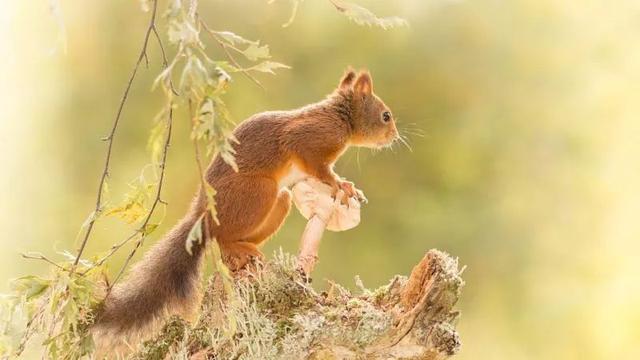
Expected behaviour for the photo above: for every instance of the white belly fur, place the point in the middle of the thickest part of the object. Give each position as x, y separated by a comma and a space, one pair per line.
293, 175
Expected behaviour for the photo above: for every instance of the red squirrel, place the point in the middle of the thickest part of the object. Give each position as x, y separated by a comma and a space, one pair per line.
275, 149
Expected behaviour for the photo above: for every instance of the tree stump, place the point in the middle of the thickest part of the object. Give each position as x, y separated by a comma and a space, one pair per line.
273, 313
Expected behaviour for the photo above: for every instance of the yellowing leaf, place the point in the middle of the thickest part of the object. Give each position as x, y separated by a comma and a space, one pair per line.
133, 208
130, 212
155, 143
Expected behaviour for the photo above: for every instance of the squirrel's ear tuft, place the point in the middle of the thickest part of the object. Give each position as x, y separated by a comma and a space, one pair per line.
363, 84
347, 79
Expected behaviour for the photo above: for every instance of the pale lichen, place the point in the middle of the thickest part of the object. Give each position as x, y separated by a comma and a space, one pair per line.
273, 313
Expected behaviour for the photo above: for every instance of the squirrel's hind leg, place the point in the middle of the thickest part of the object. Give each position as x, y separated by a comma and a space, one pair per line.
274, 220
238, 253
244, 203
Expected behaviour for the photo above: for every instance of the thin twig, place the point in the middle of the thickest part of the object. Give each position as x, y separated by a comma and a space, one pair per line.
29, 329
110, 138
157, 199
113, 249
165, 62
38, 256
229, 56
192, 118
142, 230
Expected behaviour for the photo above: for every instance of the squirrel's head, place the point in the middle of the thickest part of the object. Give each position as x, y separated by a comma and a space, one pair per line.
372, 122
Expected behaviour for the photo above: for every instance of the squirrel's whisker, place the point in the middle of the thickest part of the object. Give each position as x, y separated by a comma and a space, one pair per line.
402, 139
413, 132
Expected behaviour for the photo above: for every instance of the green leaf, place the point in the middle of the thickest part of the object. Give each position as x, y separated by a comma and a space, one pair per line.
93, 216
30, 286
148, 229
155, 143
183, 32
194, 75
163, 78
71, 258
204, 126
362, 16
225, 66
174, 8
229, 159
233, 38
269, 67
223, 79
210, 192
255, 52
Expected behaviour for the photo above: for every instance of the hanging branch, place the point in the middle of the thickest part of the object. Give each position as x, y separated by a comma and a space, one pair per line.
143, 55
144, 229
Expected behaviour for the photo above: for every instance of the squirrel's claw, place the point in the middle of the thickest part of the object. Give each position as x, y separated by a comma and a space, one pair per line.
351, 191
360, 195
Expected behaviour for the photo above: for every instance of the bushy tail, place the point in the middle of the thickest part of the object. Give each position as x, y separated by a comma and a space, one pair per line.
164, 282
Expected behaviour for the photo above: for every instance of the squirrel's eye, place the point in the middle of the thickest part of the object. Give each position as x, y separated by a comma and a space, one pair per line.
386, 116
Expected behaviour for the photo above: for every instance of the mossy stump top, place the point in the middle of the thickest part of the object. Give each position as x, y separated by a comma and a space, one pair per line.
273, 313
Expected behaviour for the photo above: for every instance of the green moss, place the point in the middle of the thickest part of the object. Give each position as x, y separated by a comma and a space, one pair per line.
158, 348
280, 289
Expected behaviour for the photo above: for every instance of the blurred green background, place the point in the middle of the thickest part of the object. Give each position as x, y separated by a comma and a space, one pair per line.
528, 170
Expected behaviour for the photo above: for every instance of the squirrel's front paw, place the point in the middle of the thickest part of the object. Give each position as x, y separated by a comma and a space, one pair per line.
360, 195
351, 191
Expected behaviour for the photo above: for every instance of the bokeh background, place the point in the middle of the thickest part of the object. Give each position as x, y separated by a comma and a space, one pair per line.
528, 170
